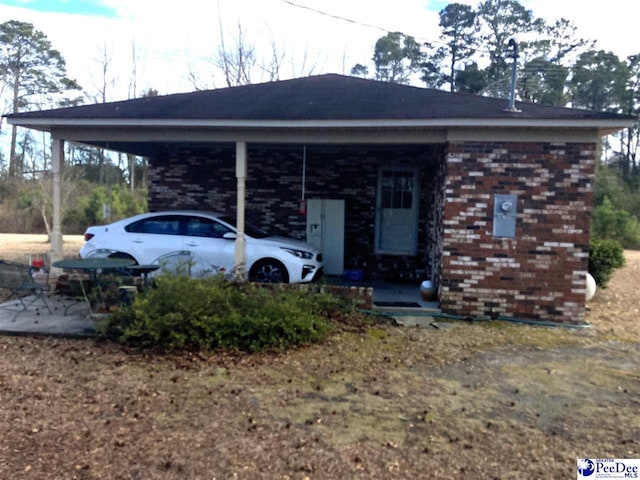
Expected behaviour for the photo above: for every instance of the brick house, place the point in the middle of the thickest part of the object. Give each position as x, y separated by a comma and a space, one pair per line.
491, 204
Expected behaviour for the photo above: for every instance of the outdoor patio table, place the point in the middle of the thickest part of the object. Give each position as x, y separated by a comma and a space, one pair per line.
145, 270
95, 267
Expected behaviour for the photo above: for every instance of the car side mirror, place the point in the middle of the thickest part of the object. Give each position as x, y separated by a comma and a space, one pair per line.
229, 236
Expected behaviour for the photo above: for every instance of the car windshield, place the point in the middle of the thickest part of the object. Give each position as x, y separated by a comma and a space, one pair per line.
249, 229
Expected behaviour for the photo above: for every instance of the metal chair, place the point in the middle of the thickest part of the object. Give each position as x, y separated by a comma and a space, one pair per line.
17, 278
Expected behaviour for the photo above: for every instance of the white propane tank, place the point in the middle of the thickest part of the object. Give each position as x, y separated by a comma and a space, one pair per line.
591, 287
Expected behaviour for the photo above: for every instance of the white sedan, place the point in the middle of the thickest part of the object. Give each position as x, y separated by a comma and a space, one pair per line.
202, 243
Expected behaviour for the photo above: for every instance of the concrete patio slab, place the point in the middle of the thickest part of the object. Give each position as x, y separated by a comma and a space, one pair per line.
36, 320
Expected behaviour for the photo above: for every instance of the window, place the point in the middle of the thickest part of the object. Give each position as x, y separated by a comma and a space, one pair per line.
161, 225
249, 229
205, 227
396, 189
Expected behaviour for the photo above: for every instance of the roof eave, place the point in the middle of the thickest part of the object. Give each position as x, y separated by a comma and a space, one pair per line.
602, 124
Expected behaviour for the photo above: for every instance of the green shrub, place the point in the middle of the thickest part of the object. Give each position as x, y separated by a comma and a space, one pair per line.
204, 314
604, 257
613, 223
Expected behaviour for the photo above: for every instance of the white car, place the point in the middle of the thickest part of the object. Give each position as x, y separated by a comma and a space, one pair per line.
204, 244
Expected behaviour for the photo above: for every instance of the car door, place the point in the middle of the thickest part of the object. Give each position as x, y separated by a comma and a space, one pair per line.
212, 253
153, 238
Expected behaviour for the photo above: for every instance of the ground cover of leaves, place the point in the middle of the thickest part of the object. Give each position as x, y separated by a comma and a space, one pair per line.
468, 400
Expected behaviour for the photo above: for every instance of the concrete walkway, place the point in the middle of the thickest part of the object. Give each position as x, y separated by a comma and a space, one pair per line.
79, 321
37, 320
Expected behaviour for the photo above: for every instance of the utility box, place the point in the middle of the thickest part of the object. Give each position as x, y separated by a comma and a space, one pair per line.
504, 215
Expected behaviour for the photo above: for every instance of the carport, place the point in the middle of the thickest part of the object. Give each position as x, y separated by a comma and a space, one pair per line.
476, 153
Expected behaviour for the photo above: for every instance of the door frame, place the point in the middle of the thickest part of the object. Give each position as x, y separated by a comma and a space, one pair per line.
415, 208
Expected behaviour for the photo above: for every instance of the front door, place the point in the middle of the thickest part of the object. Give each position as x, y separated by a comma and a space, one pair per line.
397, 211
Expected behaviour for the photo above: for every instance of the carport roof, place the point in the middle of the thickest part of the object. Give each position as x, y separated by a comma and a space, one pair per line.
323, 100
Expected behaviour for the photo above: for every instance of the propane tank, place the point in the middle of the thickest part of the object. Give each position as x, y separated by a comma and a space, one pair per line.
591, 286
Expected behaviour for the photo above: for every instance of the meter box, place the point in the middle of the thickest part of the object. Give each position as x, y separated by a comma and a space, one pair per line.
504, 215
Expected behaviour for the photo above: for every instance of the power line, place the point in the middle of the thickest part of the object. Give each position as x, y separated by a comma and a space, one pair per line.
548, 69
376, 27
357, 22
336, 17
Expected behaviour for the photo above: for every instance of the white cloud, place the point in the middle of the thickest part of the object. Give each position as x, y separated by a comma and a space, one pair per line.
613, 24
171, 36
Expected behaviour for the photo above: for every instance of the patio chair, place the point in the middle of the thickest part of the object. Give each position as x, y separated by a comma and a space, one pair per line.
177, 263
16, 277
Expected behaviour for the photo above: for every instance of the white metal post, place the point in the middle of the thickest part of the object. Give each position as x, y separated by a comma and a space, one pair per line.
241, 176
57, 164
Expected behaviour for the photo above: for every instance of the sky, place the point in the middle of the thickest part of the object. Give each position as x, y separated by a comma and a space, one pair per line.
174, 42
174, 38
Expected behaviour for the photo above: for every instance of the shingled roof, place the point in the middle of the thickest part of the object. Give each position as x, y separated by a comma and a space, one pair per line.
318, 98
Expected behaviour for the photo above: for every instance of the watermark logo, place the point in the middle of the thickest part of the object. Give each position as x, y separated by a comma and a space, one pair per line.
609, 468
585, 467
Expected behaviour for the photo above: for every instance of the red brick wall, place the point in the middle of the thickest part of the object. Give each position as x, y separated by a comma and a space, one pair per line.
203, 178
540, 273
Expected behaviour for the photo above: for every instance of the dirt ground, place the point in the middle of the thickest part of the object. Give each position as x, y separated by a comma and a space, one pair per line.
469, 400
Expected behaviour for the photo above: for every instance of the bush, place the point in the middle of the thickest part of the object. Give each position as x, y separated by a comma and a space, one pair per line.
205, 314
609, 222
604, 257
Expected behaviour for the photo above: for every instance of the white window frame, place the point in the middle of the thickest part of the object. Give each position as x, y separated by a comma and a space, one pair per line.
414, 207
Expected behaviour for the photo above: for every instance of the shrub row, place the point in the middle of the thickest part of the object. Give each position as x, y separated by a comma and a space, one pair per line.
205, 314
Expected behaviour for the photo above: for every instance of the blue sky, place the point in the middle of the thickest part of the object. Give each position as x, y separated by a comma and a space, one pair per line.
96, 7
437, 5
82, 7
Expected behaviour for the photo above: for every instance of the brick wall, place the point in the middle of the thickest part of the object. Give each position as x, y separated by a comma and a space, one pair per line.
204, 178
435, 222
540, 273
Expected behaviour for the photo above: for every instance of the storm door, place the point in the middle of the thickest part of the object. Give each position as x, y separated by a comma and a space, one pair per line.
397, 211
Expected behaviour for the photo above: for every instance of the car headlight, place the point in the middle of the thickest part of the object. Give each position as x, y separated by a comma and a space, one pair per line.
298, 253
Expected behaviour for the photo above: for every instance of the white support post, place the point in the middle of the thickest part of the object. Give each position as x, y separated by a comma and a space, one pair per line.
57, 164
241, 176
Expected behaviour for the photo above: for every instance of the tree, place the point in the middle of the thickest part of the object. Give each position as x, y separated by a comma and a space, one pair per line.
615, 224
546, 62
459, 32
237, 61
359, 70
38, 193
561, 40
599, 80
396, 57
471, 79
543, 81
29, 66
630, 138
500, 21
273, 65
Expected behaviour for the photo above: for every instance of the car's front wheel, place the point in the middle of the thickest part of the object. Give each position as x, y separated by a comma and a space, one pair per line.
269, 271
